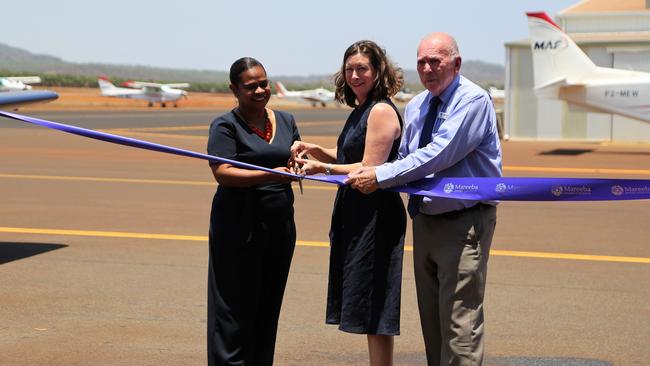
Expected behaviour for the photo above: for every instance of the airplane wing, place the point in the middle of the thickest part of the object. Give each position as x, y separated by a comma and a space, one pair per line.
14, 99
25, 79
177, 85
146, 84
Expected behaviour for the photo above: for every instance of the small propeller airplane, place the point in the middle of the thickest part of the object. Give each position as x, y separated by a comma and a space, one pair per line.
16, 83
563, 71
320, 96
151, 92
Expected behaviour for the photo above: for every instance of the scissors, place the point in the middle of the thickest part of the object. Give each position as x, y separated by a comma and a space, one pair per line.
301, 175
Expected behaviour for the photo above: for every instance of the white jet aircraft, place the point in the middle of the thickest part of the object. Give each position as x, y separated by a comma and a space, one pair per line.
563, 71
16, 83
320, 96
152, 92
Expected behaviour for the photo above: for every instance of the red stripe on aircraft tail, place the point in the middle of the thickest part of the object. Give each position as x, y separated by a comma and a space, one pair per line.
543, 16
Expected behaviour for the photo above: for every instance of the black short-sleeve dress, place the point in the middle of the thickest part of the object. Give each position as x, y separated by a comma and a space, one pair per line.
252, 238
367, 244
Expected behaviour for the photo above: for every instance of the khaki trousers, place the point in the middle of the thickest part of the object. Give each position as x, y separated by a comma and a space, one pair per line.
450, 255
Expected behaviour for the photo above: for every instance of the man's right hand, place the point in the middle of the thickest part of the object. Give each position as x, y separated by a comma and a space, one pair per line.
364, 179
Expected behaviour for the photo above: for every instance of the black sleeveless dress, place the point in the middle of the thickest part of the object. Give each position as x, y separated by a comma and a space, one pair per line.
367, 244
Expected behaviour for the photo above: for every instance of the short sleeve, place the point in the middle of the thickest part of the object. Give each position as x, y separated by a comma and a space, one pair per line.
294, 127
222, 140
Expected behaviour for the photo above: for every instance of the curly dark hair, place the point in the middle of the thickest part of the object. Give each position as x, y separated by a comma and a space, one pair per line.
388, 81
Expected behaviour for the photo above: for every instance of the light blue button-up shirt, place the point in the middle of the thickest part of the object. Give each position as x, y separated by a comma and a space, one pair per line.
465, 143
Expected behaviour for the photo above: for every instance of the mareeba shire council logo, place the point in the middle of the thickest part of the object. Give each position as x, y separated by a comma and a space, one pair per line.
557, 191
500, 188
449, 187
617, 190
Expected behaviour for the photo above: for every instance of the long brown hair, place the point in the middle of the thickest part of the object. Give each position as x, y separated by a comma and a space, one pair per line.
388, 80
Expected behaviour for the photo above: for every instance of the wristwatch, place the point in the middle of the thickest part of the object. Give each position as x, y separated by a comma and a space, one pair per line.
328, 169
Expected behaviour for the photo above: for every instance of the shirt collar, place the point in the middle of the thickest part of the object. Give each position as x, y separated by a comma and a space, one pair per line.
445, 96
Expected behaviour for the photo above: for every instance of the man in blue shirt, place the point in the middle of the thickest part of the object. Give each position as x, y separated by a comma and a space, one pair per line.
450, 131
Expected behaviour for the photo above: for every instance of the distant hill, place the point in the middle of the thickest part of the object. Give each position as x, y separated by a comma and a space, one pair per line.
483, 73
17, 60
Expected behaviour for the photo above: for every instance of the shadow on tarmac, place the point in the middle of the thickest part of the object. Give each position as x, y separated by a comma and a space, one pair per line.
15, 251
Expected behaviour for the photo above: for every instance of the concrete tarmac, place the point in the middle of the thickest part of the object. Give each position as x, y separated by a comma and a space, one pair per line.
103, 254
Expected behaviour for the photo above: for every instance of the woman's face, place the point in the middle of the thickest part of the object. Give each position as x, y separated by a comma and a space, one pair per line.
253, 89
360, 75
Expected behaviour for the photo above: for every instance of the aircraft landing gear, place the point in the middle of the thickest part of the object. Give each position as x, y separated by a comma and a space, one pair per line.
150, 104
163, 105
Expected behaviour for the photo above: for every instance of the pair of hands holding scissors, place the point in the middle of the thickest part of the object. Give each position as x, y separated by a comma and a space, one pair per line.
362, 179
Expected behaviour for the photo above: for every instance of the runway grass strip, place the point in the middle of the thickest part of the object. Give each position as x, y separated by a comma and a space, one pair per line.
494, 252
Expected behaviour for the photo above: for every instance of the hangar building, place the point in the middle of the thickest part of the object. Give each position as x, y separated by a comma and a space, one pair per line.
613, 34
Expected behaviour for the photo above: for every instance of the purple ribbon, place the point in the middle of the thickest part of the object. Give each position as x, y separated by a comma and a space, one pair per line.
479, 189
521, 189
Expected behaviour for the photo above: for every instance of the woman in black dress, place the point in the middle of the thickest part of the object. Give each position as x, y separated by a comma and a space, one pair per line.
367, 231
252, 230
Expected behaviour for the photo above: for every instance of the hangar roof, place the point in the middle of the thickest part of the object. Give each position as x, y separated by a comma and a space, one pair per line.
606, 6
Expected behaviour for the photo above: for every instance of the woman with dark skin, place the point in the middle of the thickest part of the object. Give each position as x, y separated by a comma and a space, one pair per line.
252, 229
367, 231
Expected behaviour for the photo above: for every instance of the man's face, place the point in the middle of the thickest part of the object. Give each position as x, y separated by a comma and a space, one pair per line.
436, 67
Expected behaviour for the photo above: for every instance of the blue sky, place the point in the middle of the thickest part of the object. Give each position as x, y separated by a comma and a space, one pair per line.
289, 37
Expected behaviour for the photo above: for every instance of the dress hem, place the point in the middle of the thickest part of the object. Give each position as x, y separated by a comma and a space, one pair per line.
357, 330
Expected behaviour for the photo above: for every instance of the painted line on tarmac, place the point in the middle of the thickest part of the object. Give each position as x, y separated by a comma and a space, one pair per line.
105, 234
504, 253
324, 186
578, 257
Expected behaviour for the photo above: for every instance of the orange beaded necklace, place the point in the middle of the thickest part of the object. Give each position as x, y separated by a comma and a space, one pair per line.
268, 130
268, 127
